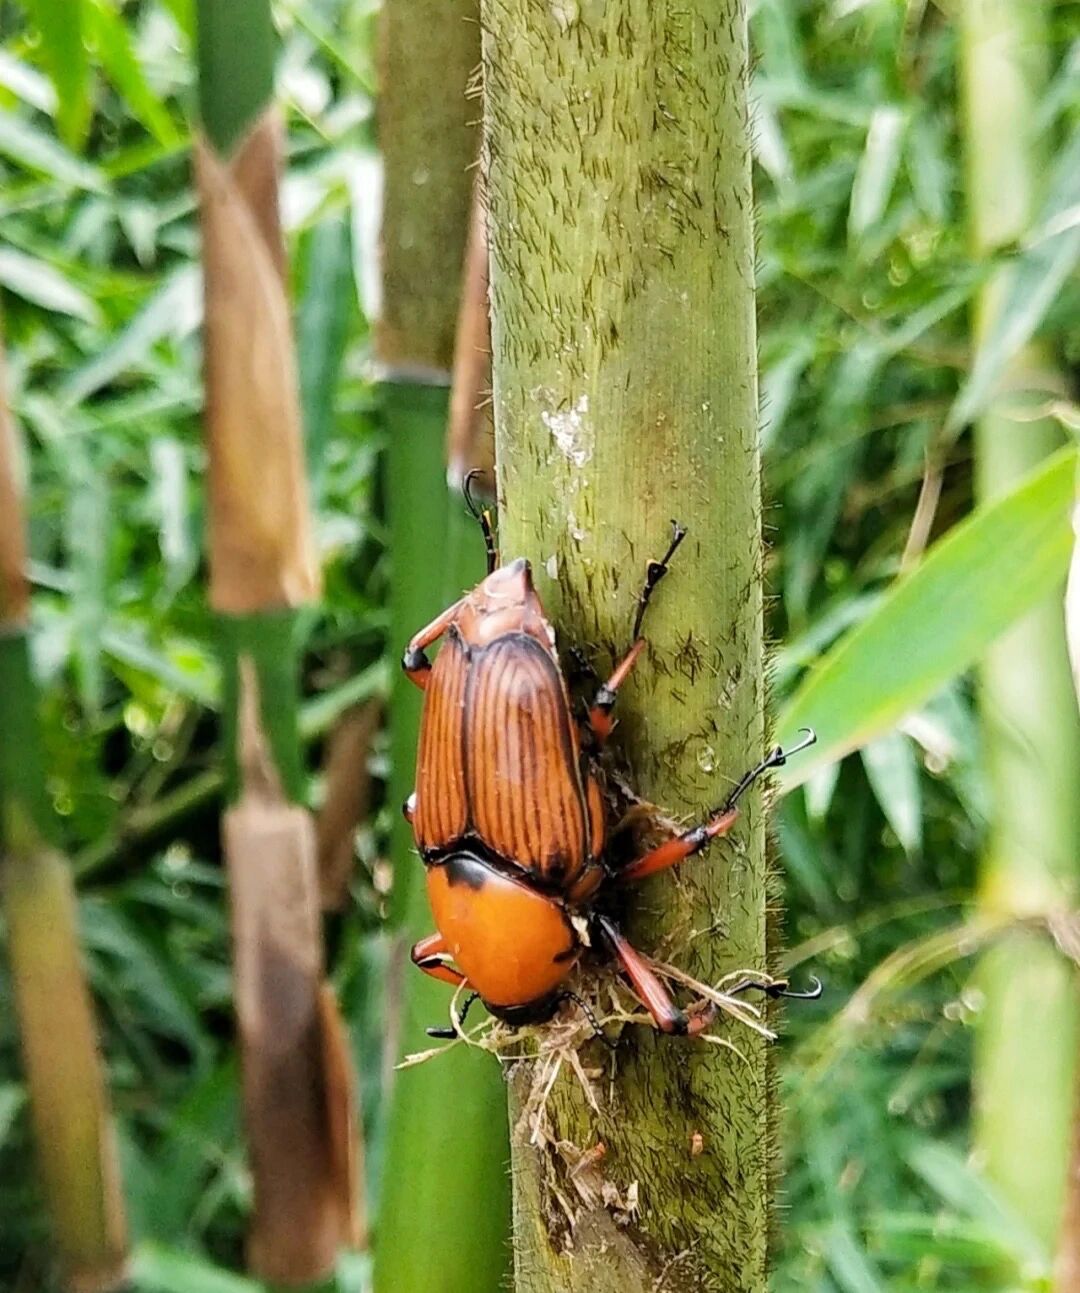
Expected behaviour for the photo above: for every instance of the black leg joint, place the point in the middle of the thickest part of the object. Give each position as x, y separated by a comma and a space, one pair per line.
698, 838
414, 660
605, 699
678, 1024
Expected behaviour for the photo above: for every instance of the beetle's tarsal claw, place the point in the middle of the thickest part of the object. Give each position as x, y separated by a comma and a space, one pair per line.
776, 758
442, 1034
782, 989
808, 740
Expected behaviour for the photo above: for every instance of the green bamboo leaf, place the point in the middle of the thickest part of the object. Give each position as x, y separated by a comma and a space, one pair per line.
928, 168
12, 1099
848, 1264
116, 50
949, 1176
326, 305
876, 173
1035, 280
183, 14
157, 1269
87, 526
820, 789
174, 309
38, 282
26, 83
142, 973
61, 24
893, 772
936, 621
38, 152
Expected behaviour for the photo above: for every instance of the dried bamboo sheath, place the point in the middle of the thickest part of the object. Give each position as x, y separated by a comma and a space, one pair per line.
262, 555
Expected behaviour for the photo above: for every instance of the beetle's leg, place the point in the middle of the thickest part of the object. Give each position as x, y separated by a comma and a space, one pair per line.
448, 1034
656, 999
654, 572
600, 719
482, 516
777, 988
408, 808
415, 663
585, 885
600, 711
427, 955
597, 817
678, 849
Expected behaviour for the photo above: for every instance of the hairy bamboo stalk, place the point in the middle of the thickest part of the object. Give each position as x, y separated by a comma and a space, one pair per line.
298, 1097
429, 141
75, 1145
1029, 1029
623, 338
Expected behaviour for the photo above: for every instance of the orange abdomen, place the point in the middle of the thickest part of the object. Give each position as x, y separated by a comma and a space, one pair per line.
514, 945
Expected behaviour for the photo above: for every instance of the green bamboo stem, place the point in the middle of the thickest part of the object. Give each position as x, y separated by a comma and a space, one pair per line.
74, 1139
1029, 1030
618, 171
444, 1211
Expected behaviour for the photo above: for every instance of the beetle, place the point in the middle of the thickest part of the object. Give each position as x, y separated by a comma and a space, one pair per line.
508, 813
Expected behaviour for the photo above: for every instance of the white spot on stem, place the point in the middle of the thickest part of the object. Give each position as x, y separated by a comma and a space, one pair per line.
570, 431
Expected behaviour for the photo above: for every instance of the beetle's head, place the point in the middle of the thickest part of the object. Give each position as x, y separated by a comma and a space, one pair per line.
510, 585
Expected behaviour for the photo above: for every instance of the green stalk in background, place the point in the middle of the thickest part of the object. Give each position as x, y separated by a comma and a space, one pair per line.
1027, 1042
443, 1221
74, 1138
623, 333
263, 572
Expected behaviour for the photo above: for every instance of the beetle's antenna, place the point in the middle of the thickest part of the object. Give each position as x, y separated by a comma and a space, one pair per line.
776, 759
483, 516
586, 1010
448, 1034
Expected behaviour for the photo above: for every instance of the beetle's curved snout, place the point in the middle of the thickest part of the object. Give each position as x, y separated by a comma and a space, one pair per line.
512, 583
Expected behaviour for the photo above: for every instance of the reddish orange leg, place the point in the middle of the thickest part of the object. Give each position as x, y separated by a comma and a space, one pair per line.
652, 994
678, 849
427, 955
415, 662
600, 719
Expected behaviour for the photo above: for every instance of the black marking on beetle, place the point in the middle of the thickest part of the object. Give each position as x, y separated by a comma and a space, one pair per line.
533, 1012
463, 868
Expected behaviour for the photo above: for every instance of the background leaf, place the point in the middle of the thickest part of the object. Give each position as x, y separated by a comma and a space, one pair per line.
934, 622
61, 24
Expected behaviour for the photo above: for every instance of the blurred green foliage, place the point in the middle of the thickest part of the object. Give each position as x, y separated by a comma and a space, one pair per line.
864, 280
